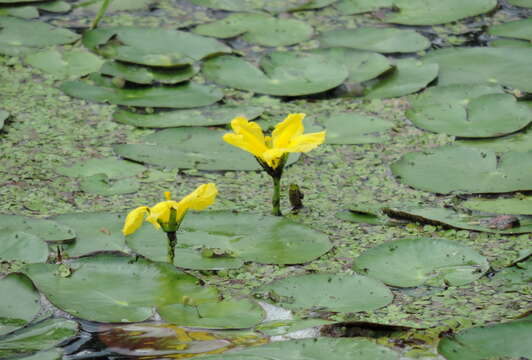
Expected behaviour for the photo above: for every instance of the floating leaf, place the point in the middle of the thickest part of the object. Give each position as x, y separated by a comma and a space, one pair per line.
280, 73
40, 336
66, 64
362, 65
506, 340
409, 76
519, 273
273, 6
521, 142
101, 184
118, 5
258, 28
313, 349
145, 75
349, 7
473, 111
432, 12
521, 29
22, 304
152, 46
21, 246
215, 115
362, 213
100, 287
194, 259
328, 292
383, 40
250, 237
522, 3
224, 314
516, 205
510, 43
422, 261
190, 147
484, 65
47, 230
111, 167
181, 96
462, 170
451, 218
18, 37
352, 128
98, 231
24, 12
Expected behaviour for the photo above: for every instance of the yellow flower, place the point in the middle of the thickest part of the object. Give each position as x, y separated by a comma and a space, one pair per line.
287, 137
170, 213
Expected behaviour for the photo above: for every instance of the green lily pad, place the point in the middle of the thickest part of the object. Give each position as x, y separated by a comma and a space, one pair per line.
382, 40
144, 75
484, 65
118, 5
349, 7
273, 6
462, 170
519, 273
99, 231
280, 73
508, 340
432, 12
19, 1
55, 6
40, 336
520, 29
111, 167
66, 64
515, 206
283, 327
409, 76
510, 43
215, 115
24, 12
22, 304
362, 65
521, 142
152, 46
190, 147
328, 292
18, 36
185, 95
3, 117
47, 230
258, 28
451, 218
101, 184
362, 213
521, 3
250, 237
352, 128
99, 288
21, 246
312, 349
194, 259
473, 111
422, 261
225, 314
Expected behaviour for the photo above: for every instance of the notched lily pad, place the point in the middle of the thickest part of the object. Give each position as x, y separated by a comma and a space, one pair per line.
353, 128
22, 246
473, 111
208, 116
462, 170
99, 287
506, 340
279, 73
111, 167
101, 184
327, 292
422, 261
520, 142
258, 28
409, 76
519, 273
152, 46
382, 40
249, 237
47, 230
22, 304
190, 147
65, 64
225, 314
40, 336
18, 37
145, 75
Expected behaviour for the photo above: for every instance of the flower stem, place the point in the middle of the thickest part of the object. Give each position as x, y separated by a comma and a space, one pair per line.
172, 241
276, 199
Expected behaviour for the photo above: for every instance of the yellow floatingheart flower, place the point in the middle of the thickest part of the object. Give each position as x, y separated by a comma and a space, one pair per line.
287, 137
169, 214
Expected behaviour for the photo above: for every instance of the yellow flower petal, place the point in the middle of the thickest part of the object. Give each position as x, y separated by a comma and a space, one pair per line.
307, 142
289, 128
134, 220
272, 157
160, 212
247, 135
200, 198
